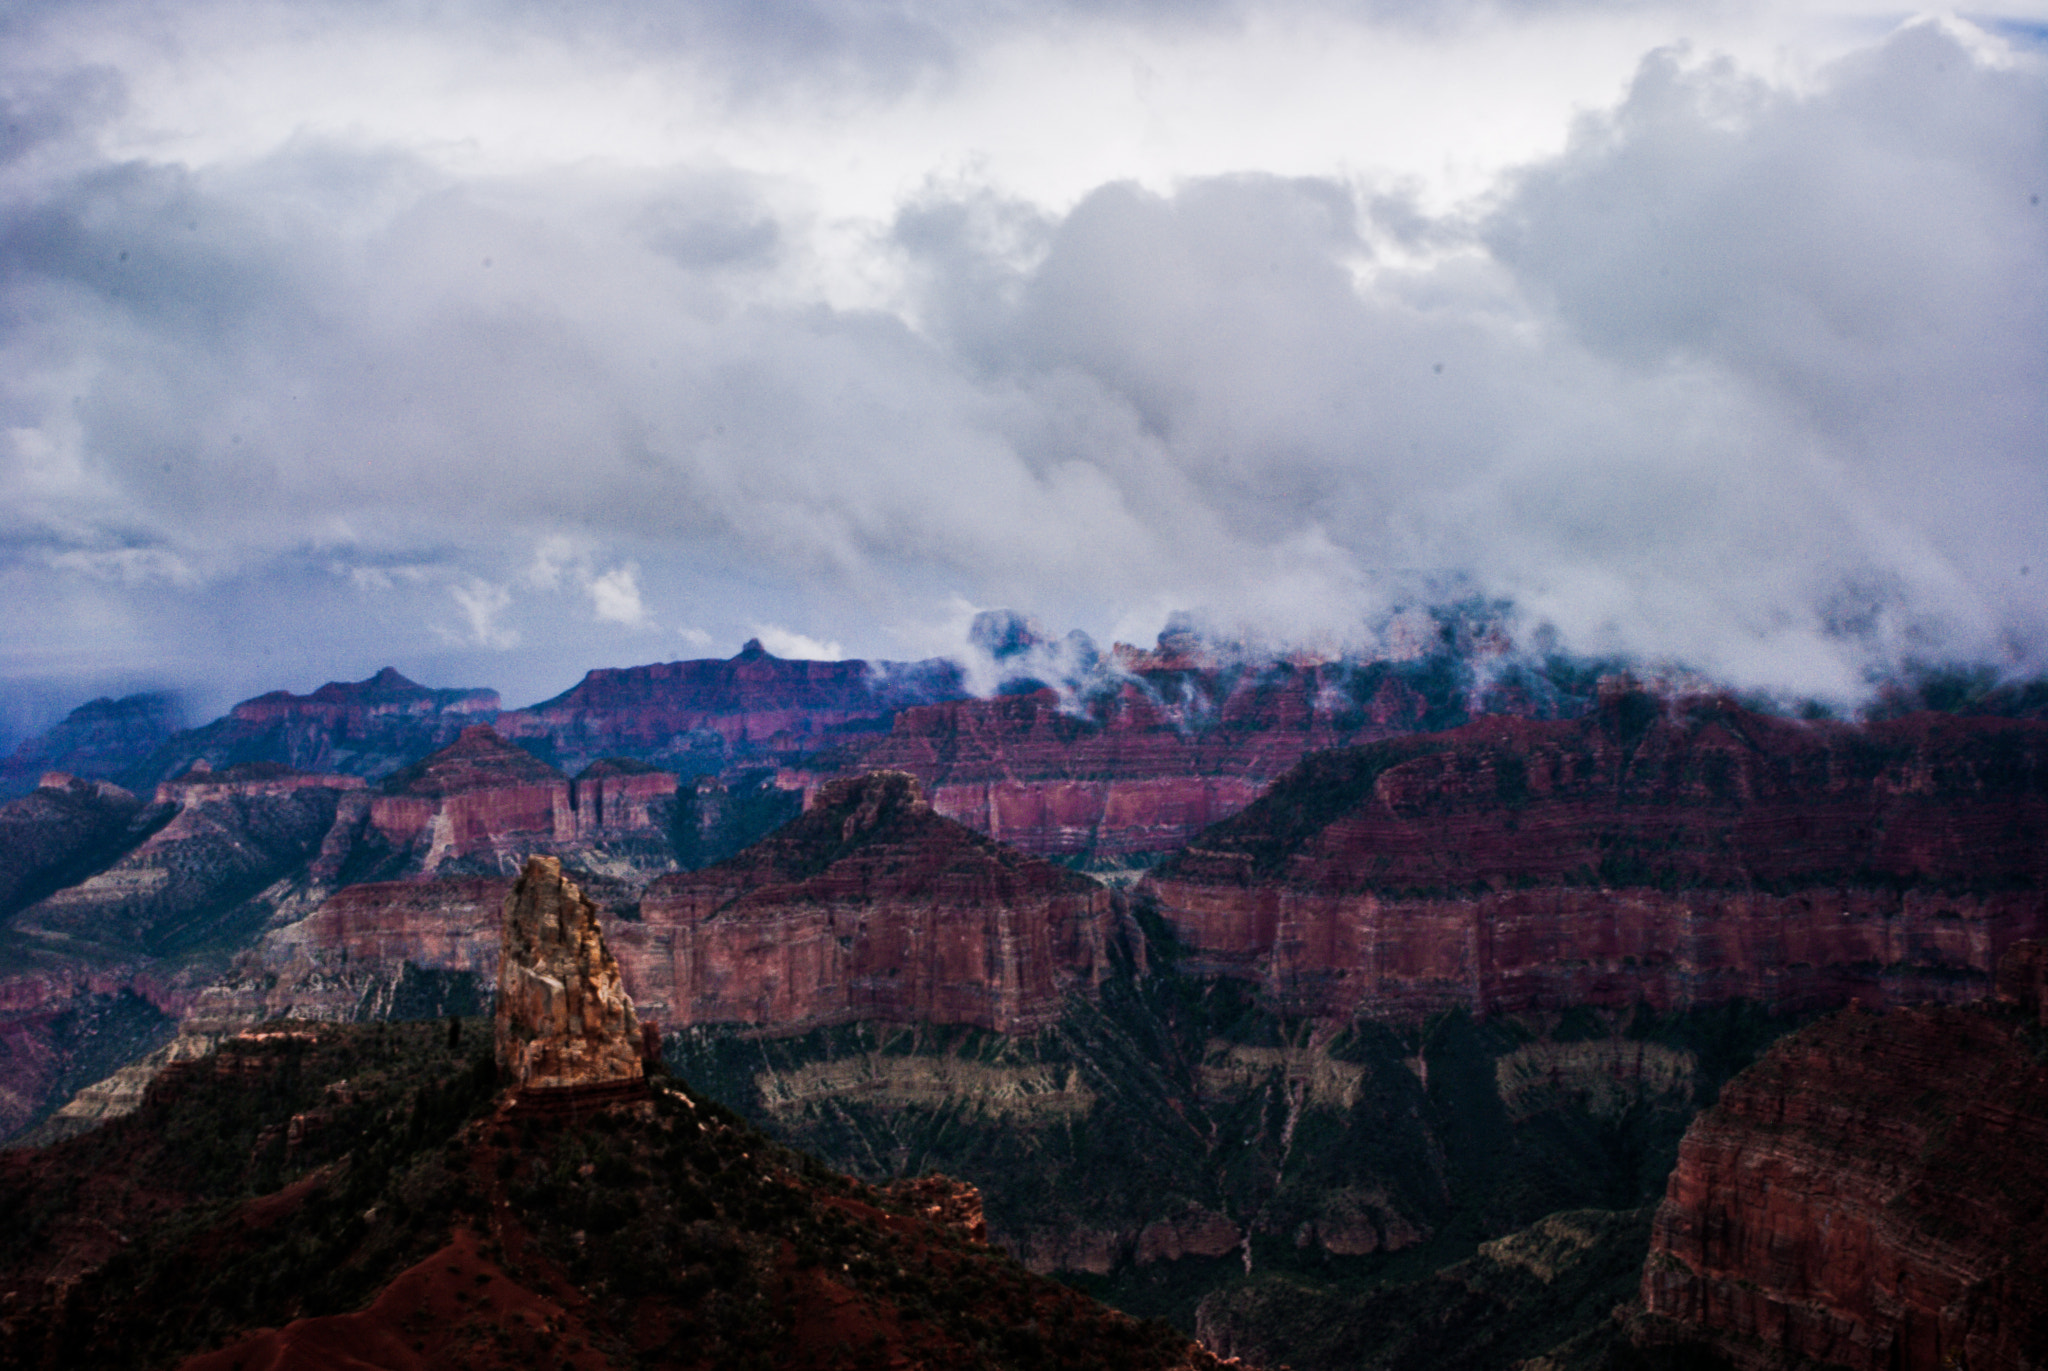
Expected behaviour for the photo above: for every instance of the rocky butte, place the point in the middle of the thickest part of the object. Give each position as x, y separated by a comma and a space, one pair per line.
564, 1020
869, 906
1870, 1195
1676, 852
481, 804
361, 728
704, 714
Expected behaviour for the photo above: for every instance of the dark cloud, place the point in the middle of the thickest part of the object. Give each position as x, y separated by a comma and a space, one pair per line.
1745, 378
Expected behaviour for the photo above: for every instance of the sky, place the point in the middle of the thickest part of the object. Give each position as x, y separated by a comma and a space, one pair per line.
497, 341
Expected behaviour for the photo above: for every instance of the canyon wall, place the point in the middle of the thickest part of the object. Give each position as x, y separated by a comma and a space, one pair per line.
233, 850
483, 805
1546, 949
698, 716
66, 1025
868, 906
1869, 1195
1146, 757
1678, 852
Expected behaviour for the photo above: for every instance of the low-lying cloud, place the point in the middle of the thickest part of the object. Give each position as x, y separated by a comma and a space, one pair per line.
1749, 376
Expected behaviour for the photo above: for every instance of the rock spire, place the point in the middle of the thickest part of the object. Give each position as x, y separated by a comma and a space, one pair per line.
564, 1019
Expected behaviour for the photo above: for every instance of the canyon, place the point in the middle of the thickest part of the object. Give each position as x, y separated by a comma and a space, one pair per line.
1674, 852
869, 906
1392, 959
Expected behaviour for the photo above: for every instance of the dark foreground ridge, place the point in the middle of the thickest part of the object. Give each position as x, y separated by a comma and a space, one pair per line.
352, 1196
348, 1197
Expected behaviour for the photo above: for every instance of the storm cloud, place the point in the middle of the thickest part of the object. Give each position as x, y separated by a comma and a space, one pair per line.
623, 342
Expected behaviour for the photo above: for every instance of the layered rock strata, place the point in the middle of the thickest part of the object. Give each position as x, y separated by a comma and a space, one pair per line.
376, 951
868, 906
564, 1020
1169, 743
1870, 1196
704, 714
482, 804
66, 1025
234, 846
1675, 852
349, 959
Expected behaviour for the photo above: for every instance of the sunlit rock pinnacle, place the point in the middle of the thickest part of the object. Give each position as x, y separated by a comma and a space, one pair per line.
563, 1017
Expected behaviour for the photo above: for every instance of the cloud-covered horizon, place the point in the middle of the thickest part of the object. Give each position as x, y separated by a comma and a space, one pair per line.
463, 338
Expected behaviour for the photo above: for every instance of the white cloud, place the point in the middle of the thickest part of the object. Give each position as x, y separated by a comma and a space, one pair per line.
482, 604
783, 643
615, 597
131, 566
1740, 365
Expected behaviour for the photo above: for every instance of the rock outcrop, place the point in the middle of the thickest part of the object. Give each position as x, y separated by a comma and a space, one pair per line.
481, 805
1870, 1195
1676, 852
59, 833
229, 851
869, 906
564, 1020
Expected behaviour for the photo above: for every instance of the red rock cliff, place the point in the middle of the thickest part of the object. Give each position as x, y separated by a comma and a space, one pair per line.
481, 801
360, 728
1870, 1195
1176, 746
868, 906
711, 710
1680, 854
